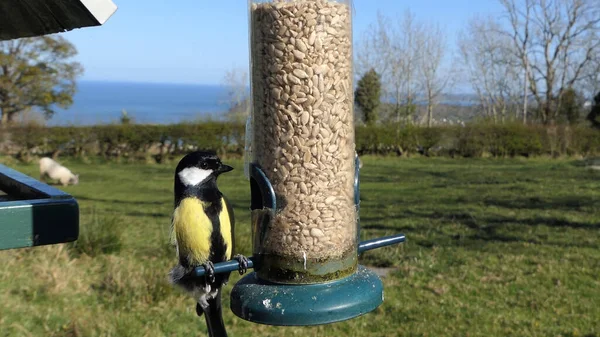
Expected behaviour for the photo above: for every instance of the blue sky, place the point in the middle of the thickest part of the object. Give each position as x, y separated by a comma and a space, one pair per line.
196, 41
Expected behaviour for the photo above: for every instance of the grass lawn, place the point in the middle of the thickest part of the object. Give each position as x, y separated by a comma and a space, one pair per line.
494, 248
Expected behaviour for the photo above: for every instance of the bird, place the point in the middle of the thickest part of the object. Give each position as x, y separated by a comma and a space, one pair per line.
202, 232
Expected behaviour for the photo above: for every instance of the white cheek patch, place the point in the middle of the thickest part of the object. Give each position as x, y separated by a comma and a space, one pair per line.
193, 176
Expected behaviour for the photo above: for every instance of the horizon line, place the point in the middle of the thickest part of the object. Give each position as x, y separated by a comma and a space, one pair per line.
200, 84
151, 82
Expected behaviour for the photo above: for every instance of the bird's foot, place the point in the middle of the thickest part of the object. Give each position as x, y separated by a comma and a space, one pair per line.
209, 267
243, 268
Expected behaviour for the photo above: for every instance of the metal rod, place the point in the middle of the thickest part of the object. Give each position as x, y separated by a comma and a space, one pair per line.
233, 265
225, 267
380, 242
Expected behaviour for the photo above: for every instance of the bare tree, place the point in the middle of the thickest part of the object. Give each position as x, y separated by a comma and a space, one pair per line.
590, 84
391, 47
373, 49
547, 44
236, 81
520, 24
557, 39
433, 78
490, 67
411, 40
594, 78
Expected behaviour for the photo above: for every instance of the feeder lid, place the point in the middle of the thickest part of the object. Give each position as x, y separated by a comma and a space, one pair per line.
263, 302
27, 18
33, 213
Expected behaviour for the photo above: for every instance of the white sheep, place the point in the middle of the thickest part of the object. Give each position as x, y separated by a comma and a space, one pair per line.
54, 170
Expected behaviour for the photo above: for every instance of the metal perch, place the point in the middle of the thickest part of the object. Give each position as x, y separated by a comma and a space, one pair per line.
233, 265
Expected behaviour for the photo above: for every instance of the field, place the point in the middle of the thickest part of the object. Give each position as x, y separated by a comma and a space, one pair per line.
494, 248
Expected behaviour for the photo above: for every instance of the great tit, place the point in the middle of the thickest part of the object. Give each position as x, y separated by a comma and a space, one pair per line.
202, 231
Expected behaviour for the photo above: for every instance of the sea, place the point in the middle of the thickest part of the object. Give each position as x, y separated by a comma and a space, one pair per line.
98, 102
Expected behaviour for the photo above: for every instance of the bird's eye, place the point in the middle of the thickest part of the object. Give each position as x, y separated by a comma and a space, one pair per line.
204, 165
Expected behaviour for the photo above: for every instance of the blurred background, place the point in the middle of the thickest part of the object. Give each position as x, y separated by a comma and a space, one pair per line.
477, 123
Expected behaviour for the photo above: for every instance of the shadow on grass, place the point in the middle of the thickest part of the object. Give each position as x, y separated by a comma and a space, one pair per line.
481, 223
413, 175
586, 162
381, 227
148, 214
482, 229
568, 203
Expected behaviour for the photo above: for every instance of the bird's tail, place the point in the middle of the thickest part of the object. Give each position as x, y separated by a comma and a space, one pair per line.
213, 314
214, 317
180, 276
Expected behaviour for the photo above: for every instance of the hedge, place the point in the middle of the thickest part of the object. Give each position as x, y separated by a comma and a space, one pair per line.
128, 141
160, 142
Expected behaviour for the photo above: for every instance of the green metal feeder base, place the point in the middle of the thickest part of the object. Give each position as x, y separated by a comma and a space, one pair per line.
263, 302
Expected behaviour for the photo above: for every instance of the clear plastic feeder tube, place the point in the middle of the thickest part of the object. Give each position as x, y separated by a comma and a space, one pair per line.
303, 138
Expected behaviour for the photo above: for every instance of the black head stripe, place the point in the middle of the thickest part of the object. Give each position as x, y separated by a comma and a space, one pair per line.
193, 158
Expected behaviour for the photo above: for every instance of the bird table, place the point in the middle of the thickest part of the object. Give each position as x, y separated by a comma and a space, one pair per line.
27, 18
33, 213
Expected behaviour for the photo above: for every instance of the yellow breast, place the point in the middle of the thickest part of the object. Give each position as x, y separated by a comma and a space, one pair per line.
192, 230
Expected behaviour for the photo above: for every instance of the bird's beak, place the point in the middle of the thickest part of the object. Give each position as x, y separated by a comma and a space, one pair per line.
224, 168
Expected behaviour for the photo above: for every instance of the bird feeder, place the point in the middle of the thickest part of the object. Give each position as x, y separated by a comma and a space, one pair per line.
303, 170
303, 139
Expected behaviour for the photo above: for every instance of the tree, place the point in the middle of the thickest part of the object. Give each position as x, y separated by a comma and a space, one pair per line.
37, 73
368, 96
238, 98
571, 107
520, 23
594, 115
391, 47
554, 40
432, 78
590, 84
489, 65
125, 118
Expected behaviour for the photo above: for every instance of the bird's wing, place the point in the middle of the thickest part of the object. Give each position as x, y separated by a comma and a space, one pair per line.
172, 236
232, 222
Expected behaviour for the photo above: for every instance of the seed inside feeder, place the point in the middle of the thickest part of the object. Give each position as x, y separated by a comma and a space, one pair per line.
303, 129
